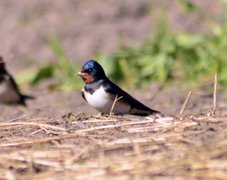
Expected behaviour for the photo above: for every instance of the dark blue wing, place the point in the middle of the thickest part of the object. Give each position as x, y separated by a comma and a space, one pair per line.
137, 108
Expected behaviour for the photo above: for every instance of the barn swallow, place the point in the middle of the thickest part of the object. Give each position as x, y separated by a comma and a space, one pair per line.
9, 90
100, 92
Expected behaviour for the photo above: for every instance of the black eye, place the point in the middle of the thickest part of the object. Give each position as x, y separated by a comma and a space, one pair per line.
89, 70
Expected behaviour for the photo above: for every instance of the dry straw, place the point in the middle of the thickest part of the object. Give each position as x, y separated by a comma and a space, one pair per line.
109, 147
193, 147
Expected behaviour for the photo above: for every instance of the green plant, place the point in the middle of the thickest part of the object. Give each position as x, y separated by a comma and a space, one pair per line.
168, 56
62, 70
164, 57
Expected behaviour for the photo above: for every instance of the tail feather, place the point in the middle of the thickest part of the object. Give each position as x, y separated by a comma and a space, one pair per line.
140, 112
24, 98
27, 97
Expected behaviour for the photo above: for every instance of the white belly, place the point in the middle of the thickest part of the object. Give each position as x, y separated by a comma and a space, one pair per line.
103, 102
7, 93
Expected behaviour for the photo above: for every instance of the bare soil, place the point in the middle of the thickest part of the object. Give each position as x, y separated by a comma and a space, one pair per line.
86, 28
58, 136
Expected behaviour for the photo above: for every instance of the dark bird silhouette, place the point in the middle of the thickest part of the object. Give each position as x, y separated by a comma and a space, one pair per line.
9, 90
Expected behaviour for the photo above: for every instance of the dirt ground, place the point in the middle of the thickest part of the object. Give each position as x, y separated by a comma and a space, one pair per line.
86, 28
58, 136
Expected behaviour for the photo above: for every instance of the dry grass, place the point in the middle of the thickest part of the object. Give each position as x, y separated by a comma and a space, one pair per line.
102, 147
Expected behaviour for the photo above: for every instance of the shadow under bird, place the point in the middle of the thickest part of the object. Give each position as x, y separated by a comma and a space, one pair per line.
9, 90
101, 93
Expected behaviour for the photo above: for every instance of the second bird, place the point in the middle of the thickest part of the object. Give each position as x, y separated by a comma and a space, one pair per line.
100, 93
9, 90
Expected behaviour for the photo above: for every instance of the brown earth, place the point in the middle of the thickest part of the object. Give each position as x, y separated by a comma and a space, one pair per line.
58, 139
58, 136
86, 28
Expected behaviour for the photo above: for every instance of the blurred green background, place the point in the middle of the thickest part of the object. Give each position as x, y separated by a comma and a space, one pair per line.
137, 42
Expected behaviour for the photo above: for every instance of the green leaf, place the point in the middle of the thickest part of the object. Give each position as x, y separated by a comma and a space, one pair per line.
188, 41
44, 72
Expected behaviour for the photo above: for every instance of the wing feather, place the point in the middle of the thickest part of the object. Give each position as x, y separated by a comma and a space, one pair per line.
82, 94
137, 108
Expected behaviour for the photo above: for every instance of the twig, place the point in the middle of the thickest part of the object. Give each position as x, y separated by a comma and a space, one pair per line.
37, 161
185, 103
31, 124
76, 133
114, 103
215, 94
98, 121
15, 119
114, 126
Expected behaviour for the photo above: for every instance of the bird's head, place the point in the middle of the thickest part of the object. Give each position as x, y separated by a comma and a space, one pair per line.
91, 71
